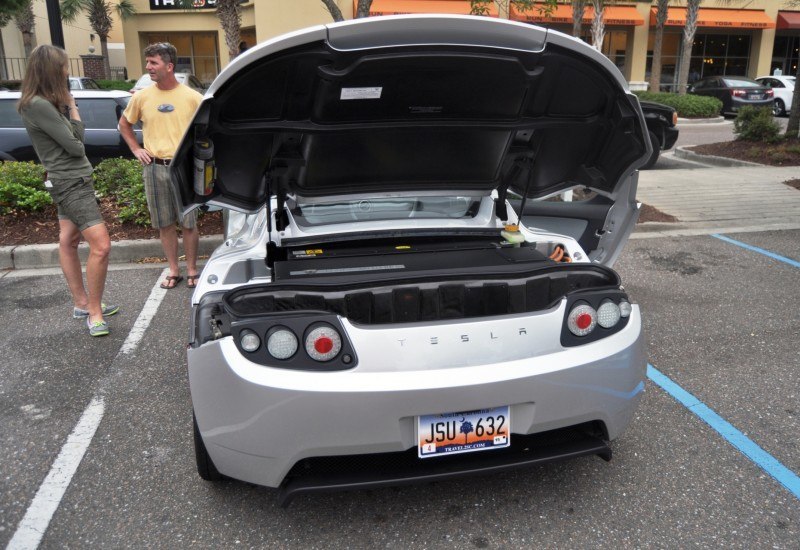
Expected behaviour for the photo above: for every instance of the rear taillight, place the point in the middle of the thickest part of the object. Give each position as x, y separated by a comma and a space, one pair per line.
582, 319
323, 343
597, 317
281, 343
770, 93
738, 93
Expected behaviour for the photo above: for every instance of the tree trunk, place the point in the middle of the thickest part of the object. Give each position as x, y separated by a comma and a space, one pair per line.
655, 67
578, 9
26, 22
362, 9
229, 14
106, 61
598, 25
793, 126
3, 69
692, 7
334, 10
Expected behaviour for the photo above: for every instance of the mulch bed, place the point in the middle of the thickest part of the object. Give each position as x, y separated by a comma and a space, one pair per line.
785, 153
18, 228
793, 183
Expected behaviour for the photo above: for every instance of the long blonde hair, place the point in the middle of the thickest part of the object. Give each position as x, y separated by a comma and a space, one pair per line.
44, 77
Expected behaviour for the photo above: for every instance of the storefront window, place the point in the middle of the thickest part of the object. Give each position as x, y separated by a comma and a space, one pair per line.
670, 48
712, 55
785, 54
197, 53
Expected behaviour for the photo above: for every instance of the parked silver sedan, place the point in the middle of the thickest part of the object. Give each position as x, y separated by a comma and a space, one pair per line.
399, 303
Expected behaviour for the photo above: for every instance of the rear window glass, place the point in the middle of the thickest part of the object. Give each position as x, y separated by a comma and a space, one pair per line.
9, 117
741, 83
99, 113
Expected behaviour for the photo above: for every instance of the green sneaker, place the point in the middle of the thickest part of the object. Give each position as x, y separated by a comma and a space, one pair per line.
97, 328
78, 313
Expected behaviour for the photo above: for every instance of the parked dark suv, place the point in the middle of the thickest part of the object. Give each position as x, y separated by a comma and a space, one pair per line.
100, 112
661, 121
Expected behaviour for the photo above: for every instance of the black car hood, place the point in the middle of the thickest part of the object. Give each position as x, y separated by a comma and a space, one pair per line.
415, 104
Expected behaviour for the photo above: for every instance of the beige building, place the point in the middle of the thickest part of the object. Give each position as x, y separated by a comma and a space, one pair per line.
79, 39
750, 37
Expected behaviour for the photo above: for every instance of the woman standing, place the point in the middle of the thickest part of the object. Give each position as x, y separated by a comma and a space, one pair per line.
54, 125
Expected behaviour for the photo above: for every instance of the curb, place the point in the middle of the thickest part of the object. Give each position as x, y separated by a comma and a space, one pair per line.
690, 121
46, 255
724, 162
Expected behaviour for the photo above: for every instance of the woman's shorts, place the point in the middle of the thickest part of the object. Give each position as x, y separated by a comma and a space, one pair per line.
76, 201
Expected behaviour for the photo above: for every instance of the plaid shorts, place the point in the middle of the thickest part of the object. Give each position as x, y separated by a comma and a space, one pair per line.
162, 202
76, 201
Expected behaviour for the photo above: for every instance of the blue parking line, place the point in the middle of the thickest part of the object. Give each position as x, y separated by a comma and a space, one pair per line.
752, 248
745, 445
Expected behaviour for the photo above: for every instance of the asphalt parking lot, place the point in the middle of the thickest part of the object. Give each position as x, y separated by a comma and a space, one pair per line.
721, 323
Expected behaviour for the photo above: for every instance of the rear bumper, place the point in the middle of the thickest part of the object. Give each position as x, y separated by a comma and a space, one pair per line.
258, 422
737, 103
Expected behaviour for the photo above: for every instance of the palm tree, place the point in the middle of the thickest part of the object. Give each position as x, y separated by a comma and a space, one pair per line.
692, 10
655, 68
8, 9
229, 13
99, 13
25, 22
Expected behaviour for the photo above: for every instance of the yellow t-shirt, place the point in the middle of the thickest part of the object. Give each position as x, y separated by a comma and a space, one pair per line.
165, 116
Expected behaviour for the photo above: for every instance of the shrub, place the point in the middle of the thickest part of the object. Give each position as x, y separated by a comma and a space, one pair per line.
10, 84
756, 124
688, 106
123, 85
121, 180
22, 187
112, 174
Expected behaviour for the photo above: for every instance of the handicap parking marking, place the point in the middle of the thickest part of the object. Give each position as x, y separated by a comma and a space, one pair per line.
762, 251
32, 527
762, 459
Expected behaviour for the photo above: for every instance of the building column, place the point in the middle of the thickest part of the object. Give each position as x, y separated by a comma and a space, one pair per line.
761, 53
637, 47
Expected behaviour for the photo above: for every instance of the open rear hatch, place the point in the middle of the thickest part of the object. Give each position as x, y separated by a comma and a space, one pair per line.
405, 105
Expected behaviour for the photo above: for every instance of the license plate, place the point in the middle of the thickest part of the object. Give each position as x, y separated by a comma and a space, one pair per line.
463, 432
756, 96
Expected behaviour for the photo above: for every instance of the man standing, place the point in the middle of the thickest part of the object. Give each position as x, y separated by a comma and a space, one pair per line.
165, 110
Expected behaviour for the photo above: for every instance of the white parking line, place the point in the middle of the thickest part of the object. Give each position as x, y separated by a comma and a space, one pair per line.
31, 529
33, 526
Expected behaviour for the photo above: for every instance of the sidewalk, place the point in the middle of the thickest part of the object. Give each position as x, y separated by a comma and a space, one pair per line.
705, 199
720, 199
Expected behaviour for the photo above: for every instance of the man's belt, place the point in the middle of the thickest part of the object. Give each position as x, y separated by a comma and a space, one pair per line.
162, 162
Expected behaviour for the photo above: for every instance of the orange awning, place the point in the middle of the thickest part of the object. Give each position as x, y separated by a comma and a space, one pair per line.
613, 15
400, 7
788, 20
720, 18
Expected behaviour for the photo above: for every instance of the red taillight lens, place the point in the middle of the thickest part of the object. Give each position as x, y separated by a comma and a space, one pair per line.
582, 320
738, 93
770, 93
323, 343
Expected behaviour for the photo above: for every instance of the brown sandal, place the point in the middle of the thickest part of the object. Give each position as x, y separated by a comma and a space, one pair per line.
171, 282
191, 280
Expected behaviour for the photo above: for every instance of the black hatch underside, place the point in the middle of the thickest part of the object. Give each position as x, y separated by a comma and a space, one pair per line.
439, 118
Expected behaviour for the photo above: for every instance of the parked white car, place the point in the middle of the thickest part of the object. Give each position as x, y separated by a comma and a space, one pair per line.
184, 78
783, 88
400, 304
